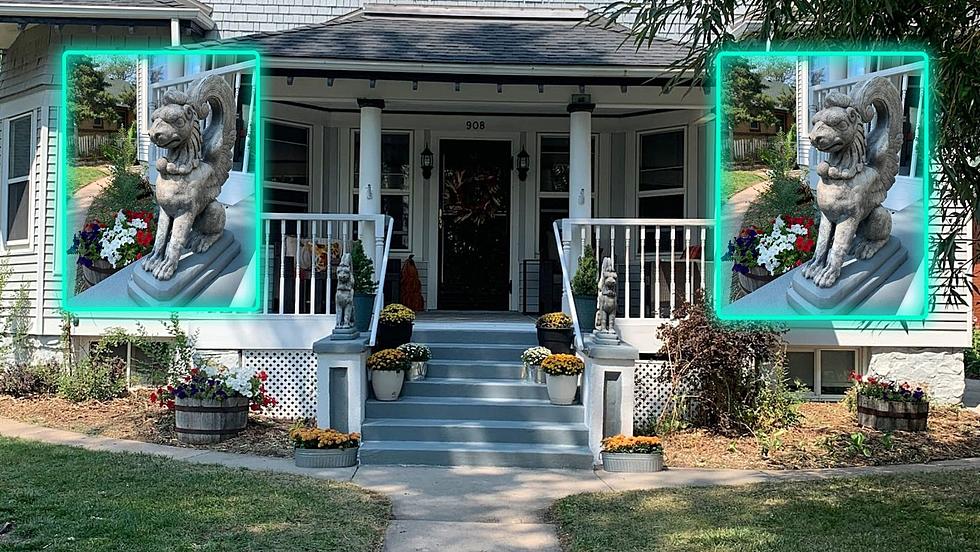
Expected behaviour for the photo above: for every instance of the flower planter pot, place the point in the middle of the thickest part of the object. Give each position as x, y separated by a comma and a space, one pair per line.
100, 270
629, 462
561, 389
325, 458
585, 308
558, 341
418, 371
755, 279
201, 422
892, 415
363, 308
391, 336
387, 385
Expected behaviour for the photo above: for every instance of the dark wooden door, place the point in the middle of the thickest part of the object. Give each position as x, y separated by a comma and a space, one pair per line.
474, 225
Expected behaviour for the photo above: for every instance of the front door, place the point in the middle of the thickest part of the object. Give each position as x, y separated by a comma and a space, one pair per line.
474, 225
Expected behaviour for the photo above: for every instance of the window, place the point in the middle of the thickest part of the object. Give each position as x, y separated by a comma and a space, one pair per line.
660, 191
396, 183
287, 168
824, 371
553, 158
242, 159
98, 123
17, 170
754, 126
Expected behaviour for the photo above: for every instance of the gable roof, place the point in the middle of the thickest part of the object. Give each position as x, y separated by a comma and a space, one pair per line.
109, 10
417, 37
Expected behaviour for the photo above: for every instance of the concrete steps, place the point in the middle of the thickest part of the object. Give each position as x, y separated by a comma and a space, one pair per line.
473, 409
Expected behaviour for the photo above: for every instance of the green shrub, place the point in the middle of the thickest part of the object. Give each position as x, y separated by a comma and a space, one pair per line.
587, 275
26, 380
363, 270
971, 357
94, 378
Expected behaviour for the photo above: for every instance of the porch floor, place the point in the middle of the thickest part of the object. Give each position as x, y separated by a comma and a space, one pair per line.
497, 319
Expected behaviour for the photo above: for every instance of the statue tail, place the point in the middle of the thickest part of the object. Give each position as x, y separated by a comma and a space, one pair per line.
214, 95
879, 96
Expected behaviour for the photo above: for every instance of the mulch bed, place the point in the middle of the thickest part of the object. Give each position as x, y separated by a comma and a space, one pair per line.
823, 440
133, 417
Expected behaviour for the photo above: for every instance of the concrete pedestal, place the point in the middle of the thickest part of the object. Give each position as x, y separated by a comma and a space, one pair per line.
608, 390
341, 383
195, 273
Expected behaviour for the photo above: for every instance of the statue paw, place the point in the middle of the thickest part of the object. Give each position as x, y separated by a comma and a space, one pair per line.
827, 277
150, 262
165, 269
812, 268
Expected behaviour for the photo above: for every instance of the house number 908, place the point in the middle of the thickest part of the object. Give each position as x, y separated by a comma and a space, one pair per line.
476, 125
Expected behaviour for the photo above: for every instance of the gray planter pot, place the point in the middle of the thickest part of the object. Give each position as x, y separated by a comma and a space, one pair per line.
200, 422
387, 385
325, 458
363, 308
561, 389
628, 462
586, 309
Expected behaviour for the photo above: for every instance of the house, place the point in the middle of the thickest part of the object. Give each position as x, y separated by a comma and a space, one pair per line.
491, 145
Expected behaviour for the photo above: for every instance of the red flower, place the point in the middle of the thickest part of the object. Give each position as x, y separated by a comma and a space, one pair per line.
153, 397
170, 404
263, 376
804, 244
143, 238
255, 407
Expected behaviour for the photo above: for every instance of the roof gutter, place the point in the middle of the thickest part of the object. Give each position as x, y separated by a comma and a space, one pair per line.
198, 16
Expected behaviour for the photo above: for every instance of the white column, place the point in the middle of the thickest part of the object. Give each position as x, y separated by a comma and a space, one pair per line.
175, 62
175, 32
369, 183
579, 171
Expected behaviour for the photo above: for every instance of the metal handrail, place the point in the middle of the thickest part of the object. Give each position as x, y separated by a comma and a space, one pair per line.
379, 298
567, 283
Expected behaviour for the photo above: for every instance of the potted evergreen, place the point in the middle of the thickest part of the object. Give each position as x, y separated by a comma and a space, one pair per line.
365, 286
388, 368
632, 454
324, 448
555, 332
418, 355
395, 326
563, 372
585, 288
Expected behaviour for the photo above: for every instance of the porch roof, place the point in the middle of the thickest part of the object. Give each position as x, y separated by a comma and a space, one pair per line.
69, 11
490, 40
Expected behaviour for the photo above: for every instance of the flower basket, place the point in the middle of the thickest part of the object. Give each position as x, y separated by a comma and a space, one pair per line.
887, 416
388, 368
325, 458
563, 371
754, 279
555, 332
532, 359
204, 421
631, 462
99, 270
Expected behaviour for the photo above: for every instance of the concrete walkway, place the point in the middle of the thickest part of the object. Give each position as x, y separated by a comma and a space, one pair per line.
469, 509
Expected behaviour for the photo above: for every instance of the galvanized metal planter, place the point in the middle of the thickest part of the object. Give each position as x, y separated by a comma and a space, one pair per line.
325, 458
629, 462
418, 371
892, 415
531, 373
561, 389
200, 422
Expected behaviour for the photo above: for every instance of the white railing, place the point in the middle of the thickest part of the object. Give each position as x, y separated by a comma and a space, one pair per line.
301, 251
661, 262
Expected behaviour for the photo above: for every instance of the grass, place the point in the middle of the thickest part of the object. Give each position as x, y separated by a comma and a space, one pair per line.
63, 498
922, 512
79, 177
734, 182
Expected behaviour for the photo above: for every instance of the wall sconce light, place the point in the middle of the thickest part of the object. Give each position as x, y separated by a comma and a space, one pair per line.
428, 162
370, 192
523, 164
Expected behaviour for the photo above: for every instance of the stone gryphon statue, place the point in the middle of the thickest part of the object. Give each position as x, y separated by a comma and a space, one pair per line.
857, 176
192, 170
344, 298
606, 300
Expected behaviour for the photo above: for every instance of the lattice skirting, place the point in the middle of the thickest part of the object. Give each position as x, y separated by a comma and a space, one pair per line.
650, 395
292, 379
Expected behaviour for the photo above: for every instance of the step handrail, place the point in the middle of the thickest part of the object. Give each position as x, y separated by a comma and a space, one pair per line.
566, 284
379, 296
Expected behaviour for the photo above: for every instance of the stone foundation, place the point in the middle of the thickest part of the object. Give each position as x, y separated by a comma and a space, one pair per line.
940, 370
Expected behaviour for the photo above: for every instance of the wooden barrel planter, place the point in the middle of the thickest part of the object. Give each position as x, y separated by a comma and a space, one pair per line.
201, 422
892, 415
100, 270
755, 279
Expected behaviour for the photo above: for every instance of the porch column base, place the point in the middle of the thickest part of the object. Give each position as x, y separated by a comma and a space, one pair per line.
608, 390
341, 383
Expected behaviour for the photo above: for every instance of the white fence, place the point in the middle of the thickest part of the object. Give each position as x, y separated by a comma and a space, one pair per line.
743, 149
89, 145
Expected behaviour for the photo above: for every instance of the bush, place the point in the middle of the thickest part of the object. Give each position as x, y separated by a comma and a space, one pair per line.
95, 378
554, 321
389, 360
27, 380
786, 194
396, 314
971, 357
587, 274
724, 377
363, 269
562, 365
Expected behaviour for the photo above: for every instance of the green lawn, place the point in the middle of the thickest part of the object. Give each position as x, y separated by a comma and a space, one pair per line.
734, 182
909, 512
63, 498
79, 177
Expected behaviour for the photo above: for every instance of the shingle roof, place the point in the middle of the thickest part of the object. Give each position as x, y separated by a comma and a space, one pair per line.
435, 39
114, 3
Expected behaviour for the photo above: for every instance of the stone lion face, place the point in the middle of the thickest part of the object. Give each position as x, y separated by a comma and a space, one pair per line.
834, 128
172, 125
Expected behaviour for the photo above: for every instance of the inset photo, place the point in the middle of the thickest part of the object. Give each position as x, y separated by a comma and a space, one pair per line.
822, 199
160, 195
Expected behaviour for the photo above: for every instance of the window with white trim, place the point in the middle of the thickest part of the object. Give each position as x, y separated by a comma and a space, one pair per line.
660, 185
825, 372
19, 153
553, 174
287, 167
396, 183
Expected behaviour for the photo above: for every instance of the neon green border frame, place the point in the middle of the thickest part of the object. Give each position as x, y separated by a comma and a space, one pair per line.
720, 244
63, 240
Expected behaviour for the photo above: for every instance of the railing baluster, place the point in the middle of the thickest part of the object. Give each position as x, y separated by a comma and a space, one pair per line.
703, 244
299, 235
612, 244
598, 245
656, 270
687, 264
643, 272
282, 264
266, 258
673, 262
328, 309
313, 259
626, 257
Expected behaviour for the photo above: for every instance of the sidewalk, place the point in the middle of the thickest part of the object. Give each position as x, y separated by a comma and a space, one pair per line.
470, 509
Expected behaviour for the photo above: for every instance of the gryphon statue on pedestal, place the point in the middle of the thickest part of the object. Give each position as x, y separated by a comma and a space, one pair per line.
192, 170
856, 178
